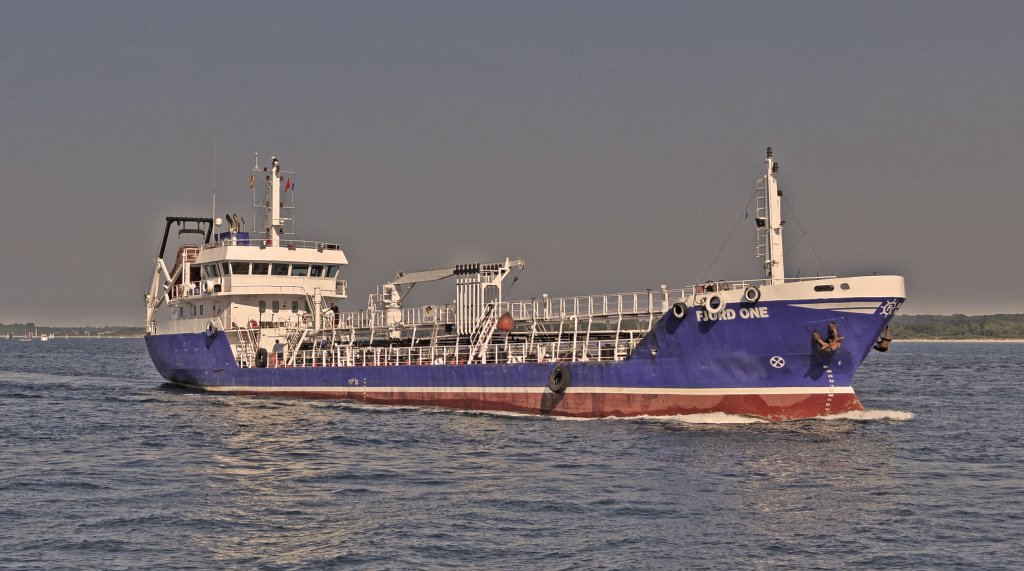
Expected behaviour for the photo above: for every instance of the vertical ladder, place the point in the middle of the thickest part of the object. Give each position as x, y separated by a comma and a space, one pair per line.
761, 213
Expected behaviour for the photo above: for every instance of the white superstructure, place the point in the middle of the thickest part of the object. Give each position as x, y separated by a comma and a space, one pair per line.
240, 281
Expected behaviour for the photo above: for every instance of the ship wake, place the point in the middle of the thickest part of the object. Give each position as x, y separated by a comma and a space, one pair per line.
870, 415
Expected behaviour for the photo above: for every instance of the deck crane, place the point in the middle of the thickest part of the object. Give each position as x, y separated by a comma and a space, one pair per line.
478, 285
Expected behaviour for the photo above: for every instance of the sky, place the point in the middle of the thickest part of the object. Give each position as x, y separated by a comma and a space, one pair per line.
613, 145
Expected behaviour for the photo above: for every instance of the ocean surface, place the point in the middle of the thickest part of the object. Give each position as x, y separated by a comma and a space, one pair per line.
104, 466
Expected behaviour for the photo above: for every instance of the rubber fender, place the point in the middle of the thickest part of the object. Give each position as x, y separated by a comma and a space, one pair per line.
558, 380
752, 294
714, 303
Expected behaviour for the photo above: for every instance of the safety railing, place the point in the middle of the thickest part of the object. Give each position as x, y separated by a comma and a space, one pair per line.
175, 326
325, 355
543, 309
191, 289
632, 303
256, 242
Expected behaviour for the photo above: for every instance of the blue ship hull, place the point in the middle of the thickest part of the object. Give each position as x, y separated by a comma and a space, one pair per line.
760, 360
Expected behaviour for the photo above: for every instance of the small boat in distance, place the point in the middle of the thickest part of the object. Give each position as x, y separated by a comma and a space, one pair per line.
252, 313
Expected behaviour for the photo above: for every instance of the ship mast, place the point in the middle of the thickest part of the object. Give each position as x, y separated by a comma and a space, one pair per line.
769, 223
275, 223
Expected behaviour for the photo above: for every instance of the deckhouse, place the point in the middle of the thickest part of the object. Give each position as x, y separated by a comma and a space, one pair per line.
239, 281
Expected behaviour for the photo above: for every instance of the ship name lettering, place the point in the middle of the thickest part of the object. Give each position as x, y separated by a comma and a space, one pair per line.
729, 313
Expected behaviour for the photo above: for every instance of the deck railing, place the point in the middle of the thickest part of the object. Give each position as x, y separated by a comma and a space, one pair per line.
500, 353
255, 242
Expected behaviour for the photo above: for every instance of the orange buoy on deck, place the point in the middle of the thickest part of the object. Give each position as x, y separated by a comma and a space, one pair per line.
505, 322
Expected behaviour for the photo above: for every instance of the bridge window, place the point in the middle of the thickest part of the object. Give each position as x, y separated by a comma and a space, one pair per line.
279, 270
332, 271
260, 268
226, 267
211, 270
316, 271
240, 268
300, 270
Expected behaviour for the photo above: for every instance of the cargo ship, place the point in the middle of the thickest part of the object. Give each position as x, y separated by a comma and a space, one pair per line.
257, 313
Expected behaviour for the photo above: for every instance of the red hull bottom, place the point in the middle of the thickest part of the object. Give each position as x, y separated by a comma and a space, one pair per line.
596, 405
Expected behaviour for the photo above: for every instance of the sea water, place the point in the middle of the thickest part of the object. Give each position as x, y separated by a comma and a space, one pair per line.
105, 466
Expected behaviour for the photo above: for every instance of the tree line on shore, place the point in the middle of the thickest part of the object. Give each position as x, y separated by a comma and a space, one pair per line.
957, 326
21, 329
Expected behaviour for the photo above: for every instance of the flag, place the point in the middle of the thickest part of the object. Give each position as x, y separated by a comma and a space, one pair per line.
746, 214
287, 185
252, 180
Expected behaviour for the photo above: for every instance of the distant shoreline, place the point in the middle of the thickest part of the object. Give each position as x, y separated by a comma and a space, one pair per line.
897, 340
69, 337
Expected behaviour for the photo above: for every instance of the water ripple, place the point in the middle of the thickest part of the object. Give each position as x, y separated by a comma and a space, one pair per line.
104, 466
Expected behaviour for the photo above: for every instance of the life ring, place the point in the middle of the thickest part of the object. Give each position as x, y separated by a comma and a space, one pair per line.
679, 310
714, 303
253, 324
261, 358
751, 294
558, 380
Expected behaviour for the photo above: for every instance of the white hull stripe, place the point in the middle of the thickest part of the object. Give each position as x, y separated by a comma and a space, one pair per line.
849, 306
540, 390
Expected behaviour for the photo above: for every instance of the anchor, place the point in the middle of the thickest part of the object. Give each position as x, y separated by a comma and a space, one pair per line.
832, 344
883, 342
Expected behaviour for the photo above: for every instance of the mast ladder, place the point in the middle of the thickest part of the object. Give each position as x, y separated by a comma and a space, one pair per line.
761, 213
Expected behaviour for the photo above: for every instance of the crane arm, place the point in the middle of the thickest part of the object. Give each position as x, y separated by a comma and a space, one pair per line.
408, 278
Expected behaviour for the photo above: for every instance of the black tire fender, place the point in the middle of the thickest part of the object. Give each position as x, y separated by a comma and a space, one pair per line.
559, 379
679, 310
261, 358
